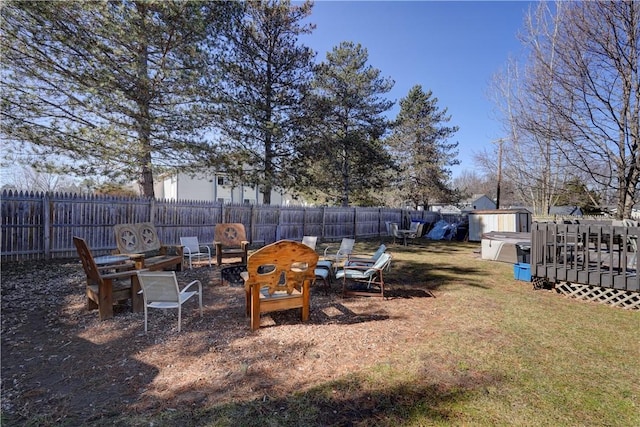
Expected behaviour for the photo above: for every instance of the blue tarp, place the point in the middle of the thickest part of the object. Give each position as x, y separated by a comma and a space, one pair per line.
442, 230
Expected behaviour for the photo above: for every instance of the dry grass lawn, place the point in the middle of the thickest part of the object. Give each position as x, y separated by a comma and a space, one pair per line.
458, 342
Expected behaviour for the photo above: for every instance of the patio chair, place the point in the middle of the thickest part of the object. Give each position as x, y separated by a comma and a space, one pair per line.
342, 254
323, 268
415, 231
393, 228
278, 277
310, 241
160, 290
230, 240
108, 284
193, 250
361, 280
355, 259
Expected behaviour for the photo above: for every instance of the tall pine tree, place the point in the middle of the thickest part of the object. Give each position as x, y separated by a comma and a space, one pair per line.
345, 160
419, 143
108, 88
264, 77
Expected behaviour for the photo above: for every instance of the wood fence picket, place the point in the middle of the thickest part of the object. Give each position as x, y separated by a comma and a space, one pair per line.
42, 225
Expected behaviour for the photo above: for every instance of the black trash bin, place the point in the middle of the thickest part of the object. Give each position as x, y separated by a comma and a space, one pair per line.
523, 251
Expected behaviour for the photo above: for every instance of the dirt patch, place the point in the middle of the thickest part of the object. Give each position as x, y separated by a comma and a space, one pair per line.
60, 364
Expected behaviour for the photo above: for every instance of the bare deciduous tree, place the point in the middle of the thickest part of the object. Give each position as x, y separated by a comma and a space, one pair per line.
583, 84
530, 162
572, 112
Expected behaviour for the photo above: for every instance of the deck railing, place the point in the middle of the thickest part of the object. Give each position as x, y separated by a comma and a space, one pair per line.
594, 254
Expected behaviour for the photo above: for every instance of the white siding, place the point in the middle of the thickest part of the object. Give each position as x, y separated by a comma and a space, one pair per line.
169, 189
481, 222
194, 188
207, 188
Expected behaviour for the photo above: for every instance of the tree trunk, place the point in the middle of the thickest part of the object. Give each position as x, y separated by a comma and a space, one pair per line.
144, 121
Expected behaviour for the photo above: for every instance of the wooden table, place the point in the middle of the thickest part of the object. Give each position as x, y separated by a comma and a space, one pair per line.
405, 233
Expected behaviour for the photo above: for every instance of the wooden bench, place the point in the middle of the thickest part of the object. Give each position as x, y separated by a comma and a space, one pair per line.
230, 240
141, 243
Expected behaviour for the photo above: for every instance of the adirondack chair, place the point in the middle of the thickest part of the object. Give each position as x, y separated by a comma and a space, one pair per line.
108, 284
278, 277
230, 240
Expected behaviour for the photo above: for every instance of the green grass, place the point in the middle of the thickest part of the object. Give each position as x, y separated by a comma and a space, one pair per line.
501, 354
497, 354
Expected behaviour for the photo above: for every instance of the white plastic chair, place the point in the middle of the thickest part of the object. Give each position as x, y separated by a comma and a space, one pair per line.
346, 248
310, 241
323, 268
160, 290
194, 250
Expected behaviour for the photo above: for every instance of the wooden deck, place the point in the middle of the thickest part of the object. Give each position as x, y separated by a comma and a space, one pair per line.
593, 254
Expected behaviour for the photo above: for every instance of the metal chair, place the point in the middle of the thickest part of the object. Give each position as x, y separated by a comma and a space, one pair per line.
192, 249
160, 290
368, 280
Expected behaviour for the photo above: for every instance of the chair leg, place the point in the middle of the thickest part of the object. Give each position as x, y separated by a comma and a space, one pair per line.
255, 307
145, 319
105, 295
137, 301
179, 315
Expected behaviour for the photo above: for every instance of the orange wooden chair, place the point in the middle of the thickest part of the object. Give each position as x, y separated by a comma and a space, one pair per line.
278, 277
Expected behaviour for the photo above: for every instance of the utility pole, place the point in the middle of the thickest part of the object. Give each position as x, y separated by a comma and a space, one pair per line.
499, 141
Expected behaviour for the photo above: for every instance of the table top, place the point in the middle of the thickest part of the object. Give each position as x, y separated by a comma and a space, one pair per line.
110, 259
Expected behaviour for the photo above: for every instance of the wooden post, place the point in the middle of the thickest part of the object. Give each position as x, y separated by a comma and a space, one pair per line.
152, 210
324, 213
47, 226
355, 222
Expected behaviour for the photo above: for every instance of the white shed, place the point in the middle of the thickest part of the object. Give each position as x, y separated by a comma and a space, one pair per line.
484, 221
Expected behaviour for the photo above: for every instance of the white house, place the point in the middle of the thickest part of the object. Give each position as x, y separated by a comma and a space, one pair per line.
215, 187
476, 202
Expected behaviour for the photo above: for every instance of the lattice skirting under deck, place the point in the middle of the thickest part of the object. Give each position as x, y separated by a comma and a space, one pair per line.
616, 297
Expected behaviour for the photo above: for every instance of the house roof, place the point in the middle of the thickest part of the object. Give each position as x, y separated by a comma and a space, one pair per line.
475, 198
565, 210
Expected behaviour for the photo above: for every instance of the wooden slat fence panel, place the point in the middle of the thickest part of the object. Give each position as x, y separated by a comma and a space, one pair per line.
39, 225
265, 225
22, 226
291, 223
313, 225
338, 223
367, 222
186, 218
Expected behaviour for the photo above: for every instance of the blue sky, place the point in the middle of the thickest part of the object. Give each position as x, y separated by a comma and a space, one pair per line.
452, 48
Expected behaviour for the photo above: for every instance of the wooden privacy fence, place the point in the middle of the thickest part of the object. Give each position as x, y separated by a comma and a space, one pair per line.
42, 225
